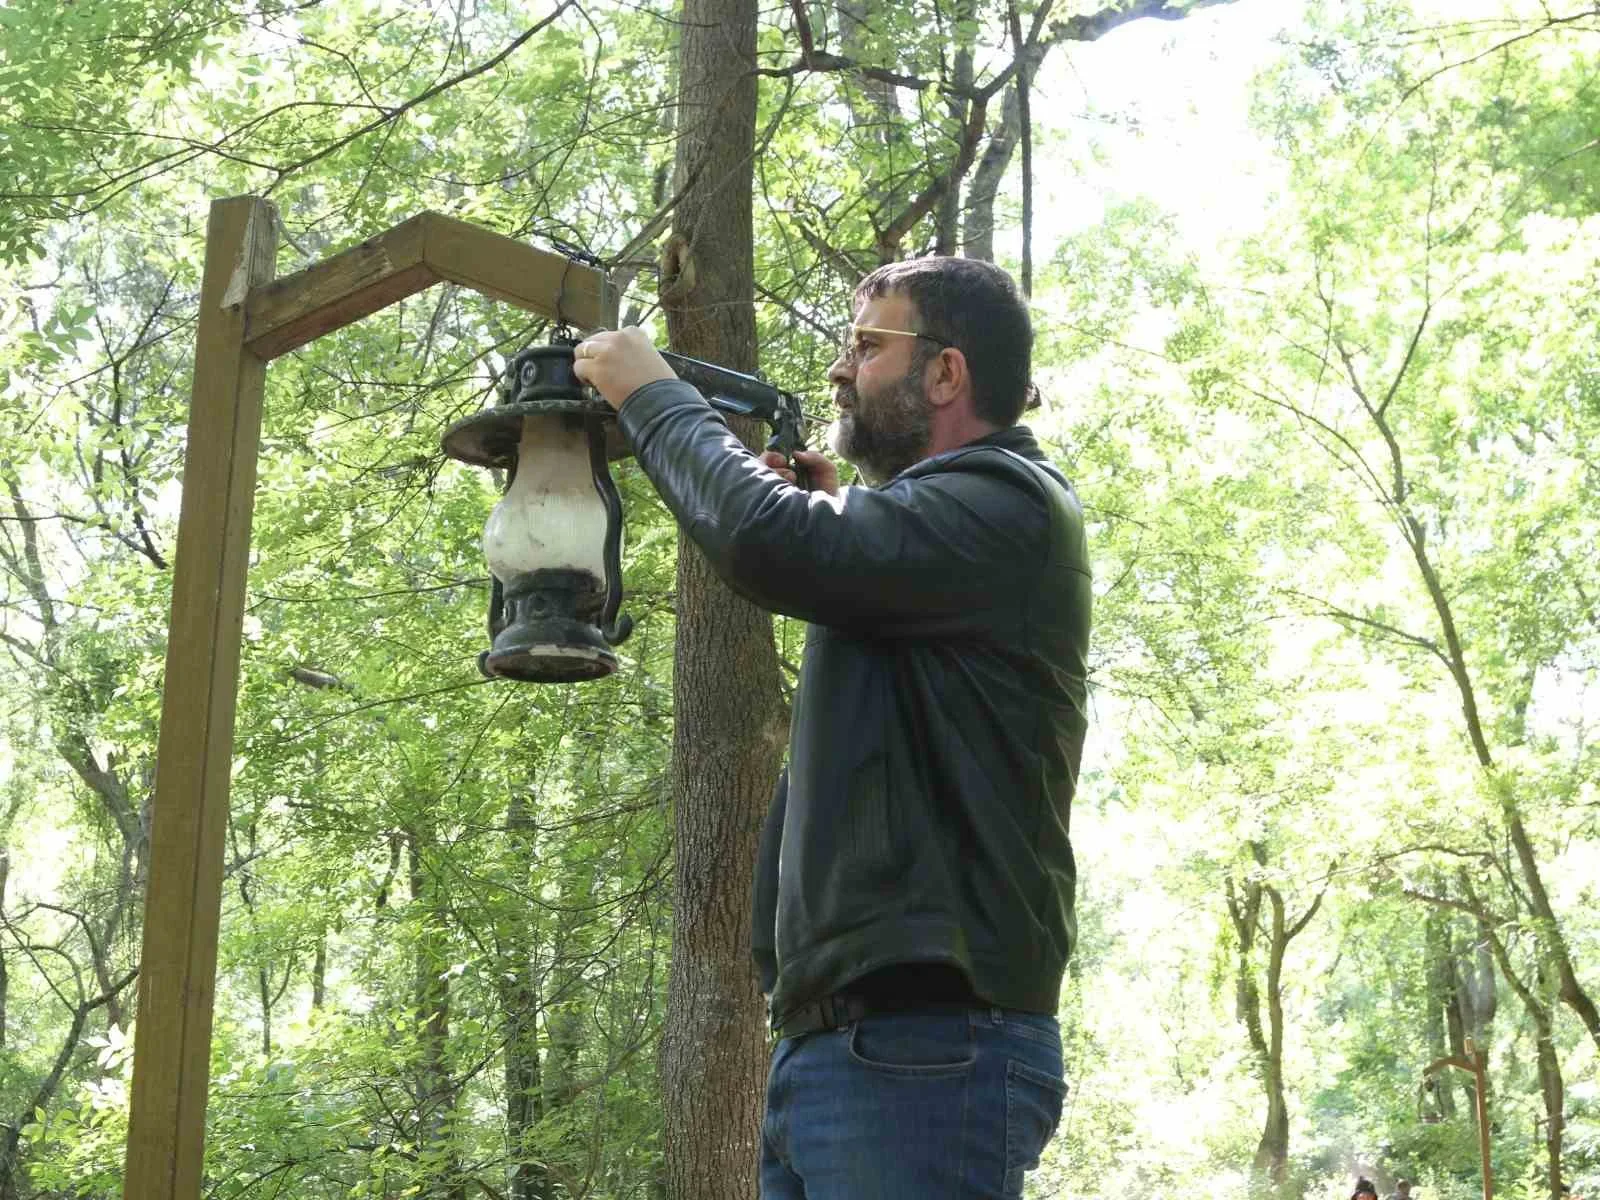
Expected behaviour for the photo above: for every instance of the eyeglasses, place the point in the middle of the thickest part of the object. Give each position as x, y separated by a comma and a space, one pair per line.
854, 349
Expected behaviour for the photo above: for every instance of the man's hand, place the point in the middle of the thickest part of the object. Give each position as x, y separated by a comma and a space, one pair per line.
617, 363
822, 475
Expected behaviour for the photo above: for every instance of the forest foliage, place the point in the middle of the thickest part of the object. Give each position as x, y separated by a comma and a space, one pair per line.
1342, 811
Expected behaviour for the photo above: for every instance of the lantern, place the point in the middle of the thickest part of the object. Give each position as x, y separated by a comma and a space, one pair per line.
554, 541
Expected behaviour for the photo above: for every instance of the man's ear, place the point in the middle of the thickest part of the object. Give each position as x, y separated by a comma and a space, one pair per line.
947, 379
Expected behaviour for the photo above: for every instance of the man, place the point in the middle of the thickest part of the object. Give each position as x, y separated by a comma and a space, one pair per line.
913, 908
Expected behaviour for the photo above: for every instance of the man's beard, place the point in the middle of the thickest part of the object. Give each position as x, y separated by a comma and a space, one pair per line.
886, 434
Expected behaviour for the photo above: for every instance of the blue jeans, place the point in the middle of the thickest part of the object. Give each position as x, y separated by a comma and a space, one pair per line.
947, 1104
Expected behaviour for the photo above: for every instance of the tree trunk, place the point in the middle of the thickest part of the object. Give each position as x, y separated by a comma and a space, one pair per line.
435, 1090
977, 238
263, 979
1437, 1021
947, 223
878, 120
1552, 938
319, 973
1244, 912
519, 999
1537, 1003
1272, 1152
1573, 994
1473, 1003
565, 1011
1553, 1090
1270, 1168
5, 980
728, 734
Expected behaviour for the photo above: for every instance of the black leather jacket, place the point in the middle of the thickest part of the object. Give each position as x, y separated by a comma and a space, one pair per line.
940, 716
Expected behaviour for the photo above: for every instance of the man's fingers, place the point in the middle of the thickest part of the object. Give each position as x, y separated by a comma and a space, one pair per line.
823, 475
775, 462
618, 362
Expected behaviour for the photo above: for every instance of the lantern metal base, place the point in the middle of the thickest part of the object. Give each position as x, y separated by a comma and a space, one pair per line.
547, 633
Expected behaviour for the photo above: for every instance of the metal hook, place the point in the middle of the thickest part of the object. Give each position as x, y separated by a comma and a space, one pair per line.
573, 254
563, 330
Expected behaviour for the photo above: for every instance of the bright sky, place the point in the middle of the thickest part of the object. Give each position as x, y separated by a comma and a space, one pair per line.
1165, 104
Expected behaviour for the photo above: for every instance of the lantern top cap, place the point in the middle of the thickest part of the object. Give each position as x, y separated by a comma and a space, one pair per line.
538, 382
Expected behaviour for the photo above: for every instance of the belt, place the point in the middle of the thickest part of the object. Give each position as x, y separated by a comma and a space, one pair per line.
831, 1012
899, 988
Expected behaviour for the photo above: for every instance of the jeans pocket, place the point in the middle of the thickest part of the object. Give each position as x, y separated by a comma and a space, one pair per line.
1035, 1027
914, 1044
1033, 1110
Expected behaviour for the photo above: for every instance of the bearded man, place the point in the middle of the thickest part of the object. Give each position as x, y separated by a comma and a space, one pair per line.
913, 902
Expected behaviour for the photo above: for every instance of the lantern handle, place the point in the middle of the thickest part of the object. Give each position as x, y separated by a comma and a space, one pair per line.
614, 628
497, 621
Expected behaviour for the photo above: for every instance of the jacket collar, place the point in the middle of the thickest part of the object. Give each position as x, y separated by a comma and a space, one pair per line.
1018, 439
1015, 439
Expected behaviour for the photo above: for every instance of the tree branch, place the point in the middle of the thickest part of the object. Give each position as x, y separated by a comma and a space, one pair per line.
1394, 633
389, 116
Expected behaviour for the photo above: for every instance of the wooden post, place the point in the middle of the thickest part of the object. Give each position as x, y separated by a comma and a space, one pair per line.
177, 977
1476, 1064
246, 319
1480, 1074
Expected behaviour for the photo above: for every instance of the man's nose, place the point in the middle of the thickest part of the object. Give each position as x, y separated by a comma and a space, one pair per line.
841, 370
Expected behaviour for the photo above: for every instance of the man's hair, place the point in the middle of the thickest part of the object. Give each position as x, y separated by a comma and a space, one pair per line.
975, 307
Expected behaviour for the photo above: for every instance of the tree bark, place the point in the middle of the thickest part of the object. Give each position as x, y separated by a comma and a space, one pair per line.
1541, 1011
729, 729
435, 1087
1440, 998
319, 973
977, 236
565, 1008
1270, 1167
1272, 1152
947, 224
1474, 1003
883, 116
5, 979
519, 1000
1553, 1090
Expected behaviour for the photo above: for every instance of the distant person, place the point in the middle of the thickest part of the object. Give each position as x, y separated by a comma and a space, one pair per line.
1402, 1190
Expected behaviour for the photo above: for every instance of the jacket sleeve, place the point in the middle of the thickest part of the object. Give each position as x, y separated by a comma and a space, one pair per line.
921, 556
